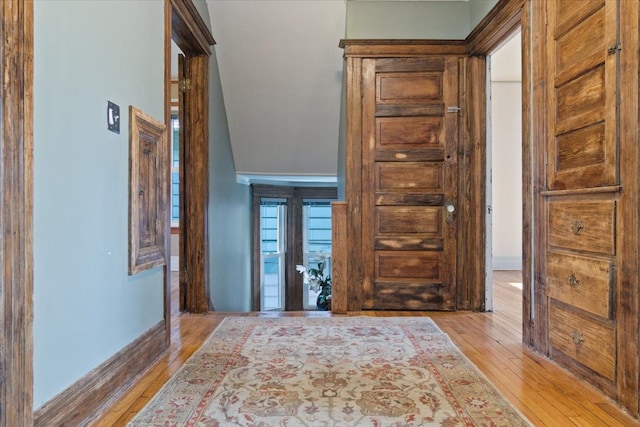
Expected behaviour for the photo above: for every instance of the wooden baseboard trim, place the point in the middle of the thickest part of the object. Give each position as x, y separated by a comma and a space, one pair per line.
82, 401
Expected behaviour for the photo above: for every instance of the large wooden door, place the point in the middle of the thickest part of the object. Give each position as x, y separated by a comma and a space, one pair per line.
410, 138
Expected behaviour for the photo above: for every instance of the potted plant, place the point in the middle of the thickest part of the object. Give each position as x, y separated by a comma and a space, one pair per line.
318, 282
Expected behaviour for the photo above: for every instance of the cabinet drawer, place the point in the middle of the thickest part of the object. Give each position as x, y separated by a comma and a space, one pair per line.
583, 225
580, 281
589, 342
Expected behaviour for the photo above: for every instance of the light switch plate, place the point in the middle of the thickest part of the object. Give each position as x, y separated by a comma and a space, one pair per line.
113, 117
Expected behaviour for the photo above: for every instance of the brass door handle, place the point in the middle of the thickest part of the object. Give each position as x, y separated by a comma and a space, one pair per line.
577, 337
577, 226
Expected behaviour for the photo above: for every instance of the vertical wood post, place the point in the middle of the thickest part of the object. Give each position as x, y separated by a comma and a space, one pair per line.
16, 213
339, 255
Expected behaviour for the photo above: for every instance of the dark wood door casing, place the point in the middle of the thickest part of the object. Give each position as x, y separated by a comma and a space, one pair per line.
16, 213
187, 28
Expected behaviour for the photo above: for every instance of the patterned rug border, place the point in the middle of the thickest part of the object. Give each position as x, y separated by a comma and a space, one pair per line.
395, 321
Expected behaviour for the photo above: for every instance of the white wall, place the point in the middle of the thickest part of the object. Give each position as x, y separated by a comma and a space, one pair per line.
86, 307
506, 147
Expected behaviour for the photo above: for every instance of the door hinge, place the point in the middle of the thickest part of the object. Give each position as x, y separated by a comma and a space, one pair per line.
184, 85
453, 109
614, 49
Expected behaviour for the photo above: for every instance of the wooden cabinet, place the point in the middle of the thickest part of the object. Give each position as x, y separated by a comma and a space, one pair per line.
583, 188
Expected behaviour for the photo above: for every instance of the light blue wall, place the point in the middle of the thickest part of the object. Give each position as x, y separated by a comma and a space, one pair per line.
229, 206
415, 19
478, 9
407, 20
87, 308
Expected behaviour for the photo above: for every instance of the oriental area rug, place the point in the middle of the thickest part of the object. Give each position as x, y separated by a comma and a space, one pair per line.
330, 371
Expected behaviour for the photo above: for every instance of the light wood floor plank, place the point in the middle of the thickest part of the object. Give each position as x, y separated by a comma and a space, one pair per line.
546, 394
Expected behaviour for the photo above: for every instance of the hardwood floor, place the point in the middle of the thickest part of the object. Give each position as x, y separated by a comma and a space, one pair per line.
546, 394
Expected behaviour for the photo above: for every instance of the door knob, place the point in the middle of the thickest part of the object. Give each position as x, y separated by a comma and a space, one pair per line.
449, 209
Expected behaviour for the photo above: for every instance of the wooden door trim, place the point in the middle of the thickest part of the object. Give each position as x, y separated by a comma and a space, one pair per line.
628, 236
184, 24
16, 214
471, 188
496, 27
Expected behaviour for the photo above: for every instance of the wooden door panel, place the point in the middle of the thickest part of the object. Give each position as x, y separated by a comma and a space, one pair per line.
417, 199
581, 147
411, 296
408, 88
383, 110
413, 176
409, 243
569, 12
409, 174
424, 220
581, 48
409, 265
410, 64
581, 102
409, 132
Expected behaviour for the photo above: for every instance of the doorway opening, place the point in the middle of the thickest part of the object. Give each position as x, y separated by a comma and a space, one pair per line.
504, 210
291, 228
185, 27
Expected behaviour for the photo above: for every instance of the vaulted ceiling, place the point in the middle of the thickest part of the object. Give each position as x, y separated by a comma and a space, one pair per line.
281, 72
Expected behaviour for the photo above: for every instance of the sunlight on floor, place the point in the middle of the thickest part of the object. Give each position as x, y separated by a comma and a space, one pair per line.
516, 285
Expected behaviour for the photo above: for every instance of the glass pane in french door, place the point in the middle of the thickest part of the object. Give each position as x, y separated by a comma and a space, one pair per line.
272, 249
316, 241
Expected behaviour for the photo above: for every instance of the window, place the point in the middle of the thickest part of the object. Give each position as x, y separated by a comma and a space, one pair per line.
292, 225
272, 250
316, 241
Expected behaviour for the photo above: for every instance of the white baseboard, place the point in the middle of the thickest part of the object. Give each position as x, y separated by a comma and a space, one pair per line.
507, 263
175, 263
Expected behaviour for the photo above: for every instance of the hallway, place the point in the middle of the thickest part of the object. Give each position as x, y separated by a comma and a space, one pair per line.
543, 392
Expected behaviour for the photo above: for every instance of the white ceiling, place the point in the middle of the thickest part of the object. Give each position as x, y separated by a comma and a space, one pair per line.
281, 72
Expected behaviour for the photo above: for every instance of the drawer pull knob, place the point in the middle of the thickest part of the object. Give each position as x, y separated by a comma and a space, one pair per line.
573, 280
577, 226
577, 337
